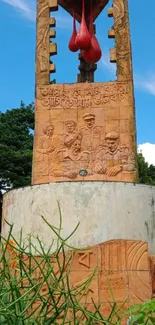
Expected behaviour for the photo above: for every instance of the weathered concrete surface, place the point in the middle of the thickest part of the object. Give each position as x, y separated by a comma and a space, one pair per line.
105, 211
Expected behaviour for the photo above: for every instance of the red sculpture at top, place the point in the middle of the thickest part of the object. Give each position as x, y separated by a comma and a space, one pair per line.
86, 40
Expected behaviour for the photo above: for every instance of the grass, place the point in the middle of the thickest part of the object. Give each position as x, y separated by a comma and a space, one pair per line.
35, 289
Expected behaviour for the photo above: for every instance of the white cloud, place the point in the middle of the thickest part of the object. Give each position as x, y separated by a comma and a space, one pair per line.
148, 151
147, 83
25, 7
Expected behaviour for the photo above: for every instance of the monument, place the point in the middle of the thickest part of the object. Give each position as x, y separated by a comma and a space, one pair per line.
102, 138
85, 157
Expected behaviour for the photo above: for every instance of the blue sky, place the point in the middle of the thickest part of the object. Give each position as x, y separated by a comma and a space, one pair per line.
17, 57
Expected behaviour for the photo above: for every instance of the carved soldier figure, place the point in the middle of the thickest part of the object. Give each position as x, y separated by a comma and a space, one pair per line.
71, 133
69, 162
91, 134
113, 158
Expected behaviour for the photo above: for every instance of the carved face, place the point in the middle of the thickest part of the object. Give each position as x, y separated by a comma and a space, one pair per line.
76, 146
50, 131
70, 127
112, 144
90, 123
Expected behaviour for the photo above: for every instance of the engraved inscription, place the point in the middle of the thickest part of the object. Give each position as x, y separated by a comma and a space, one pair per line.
84, 258
82, 98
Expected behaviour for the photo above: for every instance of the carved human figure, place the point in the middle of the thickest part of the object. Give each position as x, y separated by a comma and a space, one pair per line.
91, 133
71, 133
113, 158
46, 143
45, 147
68, 162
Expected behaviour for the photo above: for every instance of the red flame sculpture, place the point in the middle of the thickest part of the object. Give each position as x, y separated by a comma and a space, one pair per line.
72, 45
83, 39
94, 53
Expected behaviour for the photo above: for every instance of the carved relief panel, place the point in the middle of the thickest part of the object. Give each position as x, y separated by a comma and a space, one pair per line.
117, 270
84, 132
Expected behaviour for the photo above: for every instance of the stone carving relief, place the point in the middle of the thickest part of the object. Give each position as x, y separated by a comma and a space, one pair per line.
71, 133
129, 255
84, 258
86, 97
45, 47
122, 38
112, 158
68, 162
83, 149
152, 272
46, 143
91, 133
42, 62
45, 148
84, 142
118, 12
122, 273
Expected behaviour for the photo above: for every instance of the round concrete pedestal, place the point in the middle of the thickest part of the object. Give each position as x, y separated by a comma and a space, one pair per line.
105, 211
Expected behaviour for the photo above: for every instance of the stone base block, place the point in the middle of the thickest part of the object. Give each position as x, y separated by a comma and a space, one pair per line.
105, 211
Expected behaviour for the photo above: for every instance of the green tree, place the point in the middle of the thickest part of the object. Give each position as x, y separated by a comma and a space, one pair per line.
151, 173
146, 172
16, 134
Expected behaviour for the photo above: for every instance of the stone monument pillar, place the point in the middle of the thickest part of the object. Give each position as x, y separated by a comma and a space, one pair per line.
84, 131
85, 157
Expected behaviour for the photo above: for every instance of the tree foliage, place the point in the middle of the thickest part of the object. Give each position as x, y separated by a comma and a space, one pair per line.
16, 134
146, 172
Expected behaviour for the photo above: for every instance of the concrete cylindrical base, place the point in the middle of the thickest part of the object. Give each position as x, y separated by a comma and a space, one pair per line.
105, 211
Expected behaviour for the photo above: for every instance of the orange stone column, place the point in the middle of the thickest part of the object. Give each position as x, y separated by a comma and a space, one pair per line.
84, 131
